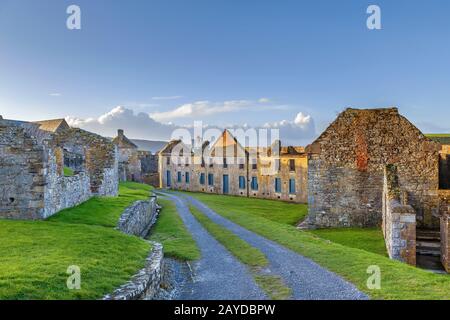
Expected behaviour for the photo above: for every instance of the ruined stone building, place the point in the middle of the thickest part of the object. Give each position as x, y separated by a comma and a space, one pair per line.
134, 164
129, 161
33, 158
375, 168
225, 167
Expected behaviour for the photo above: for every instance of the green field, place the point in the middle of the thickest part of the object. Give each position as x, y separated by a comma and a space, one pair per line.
35, 255
171, 232
350, 260
443, 138
272, 285
370, 239
278, 211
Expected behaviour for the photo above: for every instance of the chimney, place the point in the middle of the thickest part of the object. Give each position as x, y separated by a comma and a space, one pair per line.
120, 132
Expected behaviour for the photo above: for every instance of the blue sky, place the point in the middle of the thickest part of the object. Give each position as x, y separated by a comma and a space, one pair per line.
223, 61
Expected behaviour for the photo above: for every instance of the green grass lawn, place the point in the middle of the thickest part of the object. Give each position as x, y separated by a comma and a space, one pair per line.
104, 211
278, 211
247, 254
398, 280
370, 239
171, 232
35, 255
68, 172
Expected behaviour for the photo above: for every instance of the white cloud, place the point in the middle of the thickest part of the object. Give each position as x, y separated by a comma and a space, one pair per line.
298, 131
55, 94
167, 98
302, 120
264, 100
201, 109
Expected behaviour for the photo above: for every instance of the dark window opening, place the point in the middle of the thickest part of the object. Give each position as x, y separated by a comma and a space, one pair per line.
12, 200
291, 165
444, 172
225, 164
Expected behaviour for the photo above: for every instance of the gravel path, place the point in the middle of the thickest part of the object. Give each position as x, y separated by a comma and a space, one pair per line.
217, 275
308, 280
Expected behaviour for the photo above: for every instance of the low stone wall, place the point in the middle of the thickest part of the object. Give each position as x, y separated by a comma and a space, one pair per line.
399, 220
137, 220
146, 283
445, 241
139, 217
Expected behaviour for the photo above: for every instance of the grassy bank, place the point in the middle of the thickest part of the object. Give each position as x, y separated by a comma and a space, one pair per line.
370, 239
35, 255
171, 232
273, 286
398, 280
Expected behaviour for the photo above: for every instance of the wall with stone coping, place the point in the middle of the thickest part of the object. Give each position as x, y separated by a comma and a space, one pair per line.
399, 221
146, 283
138, 218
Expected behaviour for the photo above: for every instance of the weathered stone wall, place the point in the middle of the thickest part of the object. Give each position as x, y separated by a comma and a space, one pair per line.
445, 241
62, 192
346, 163
146, 283
129, 164
101, 158
33, 185
22, 169
138, 218
149, 162
399, 220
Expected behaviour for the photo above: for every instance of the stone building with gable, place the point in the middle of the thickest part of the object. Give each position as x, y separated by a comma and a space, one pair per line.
226, 167
372, 167
33, 159
129, 160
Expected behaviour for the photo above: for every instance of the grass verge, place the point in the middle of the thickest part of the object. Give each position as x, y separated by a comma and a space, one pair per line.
368, 239
398, 280
171, 232
35, 255
247, 254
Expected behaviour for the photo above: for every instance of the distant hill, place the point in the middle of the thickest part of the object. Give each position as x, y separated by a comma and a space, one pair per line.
443, 138
148, 145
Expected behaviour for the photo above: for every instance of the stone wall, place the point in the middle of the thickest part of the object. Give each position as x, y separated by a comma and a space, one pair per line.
445, 241
129, 164
346, 163
22, 169
101, 158
138, 218
63, 192
146, 283
399, 220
